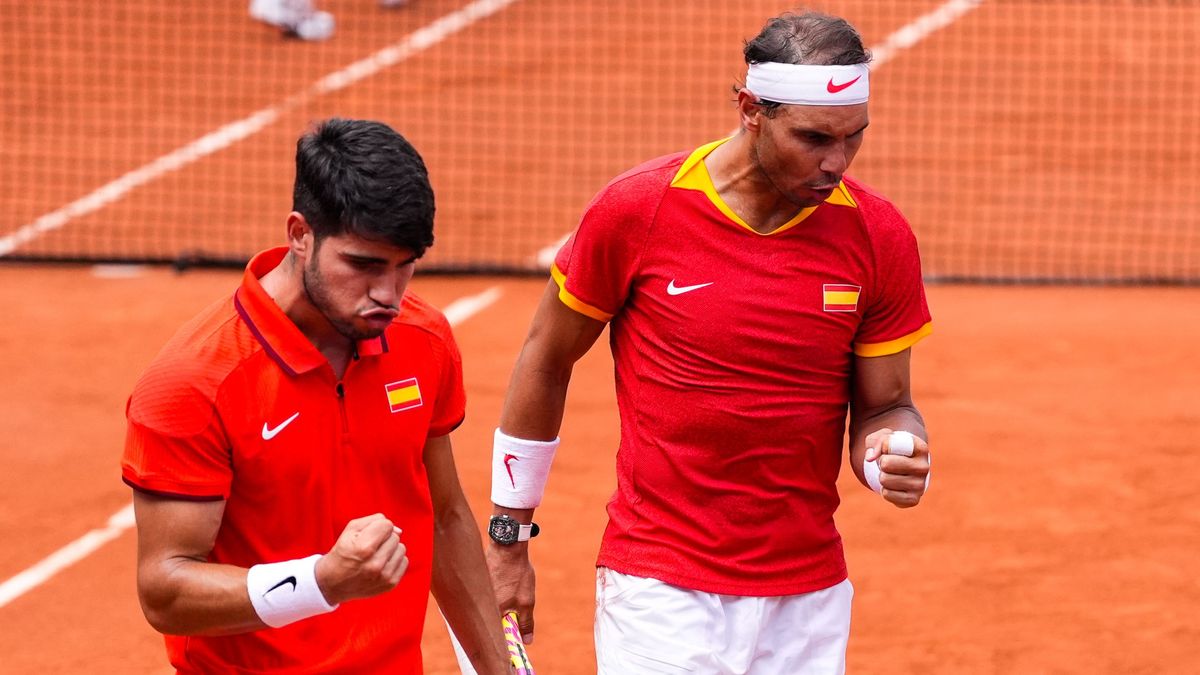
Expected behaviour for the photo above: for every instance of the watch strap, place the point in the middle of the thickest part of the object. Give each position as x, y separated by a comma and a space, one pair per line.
527, 532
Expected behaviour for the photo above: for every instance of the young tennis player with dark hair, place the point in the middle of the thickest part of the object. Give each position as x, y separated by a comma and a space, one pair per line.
289, 449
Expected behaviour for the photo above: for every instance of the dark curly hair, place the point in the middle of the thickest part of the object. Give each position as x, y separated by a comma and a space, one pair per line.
364, 178
806, 38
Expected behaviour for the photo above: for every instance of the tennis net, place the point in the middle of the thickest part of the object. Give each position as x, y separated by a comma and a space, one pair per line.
1026, 140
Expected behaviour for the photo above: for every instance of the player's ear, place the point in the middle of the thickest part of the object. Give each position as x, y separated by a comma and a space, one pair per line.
749, 109
299, 235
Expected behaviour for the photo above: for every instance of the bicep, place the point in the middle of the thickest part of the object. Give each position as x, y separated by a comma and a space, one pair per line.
559, 336
170, 529
881, 383
180, 591
172, 534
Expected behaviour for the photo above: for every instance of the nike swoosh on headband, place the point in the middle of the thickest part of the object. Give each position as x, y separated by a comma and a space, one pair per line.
835, 88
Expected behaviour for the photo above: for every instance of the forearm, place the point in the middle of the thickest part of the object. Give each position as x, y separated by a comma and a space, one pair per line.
533, 410
464, 591
533, 407
191, 597
881, 399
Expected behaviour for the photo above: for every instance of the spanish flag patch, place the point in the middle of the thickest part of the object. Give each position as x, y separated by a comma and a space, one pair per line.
403, 395
841, 297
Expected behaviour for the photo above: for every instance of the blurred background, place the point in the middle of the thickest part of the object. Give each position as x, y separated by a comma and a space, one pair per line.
1047, 140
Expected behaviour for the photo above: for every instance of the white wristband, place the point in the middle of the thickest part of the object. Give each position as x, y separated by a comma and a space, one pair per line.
286, 592
520, 469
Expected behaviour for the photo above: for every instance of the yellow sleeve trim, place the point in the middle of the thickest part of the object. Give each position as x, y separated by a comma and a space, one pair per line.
573, 302
893, 346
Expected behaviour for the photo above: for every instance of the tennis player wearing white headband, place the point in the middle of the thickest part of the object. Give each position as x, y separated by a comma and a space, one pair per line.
755, 293
809, 85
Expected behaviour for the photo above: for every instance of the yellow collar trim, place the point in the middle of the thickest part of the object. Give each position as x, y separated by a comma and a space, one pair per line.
693, 175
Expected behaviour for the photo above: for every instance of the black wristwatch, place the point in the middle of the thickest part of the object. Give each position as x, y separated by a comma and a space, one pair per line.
506, 531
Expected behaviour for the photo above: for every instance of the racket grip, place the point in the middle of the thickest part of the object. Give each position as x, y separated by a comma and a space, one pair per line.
512, 639
516, 646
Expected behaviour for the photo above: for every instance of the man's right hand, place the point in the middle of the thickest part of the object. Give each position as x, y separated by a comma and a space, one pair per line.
513, 580
367, 559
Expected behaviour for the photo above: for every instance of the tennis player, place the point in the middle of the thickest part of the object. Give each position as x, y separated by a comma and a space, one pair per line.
289, 448
755, 293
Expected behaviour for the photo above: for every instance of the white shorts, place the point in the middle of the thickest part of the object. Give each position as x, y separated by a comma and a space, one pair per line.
647, 626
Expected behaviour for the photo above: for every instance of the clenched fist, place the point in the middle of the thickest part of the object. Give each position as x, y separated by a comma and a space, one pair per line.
367, 559
903, 473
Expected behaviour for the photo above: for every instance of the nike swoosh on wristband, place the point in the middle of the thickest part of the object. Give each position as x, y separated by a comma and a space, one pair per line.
672, 289
269, 433
289, 580
507, 459
835, 88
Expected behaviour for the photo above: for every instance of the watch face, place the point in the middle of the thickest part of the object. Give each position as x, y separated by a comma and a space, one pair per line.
503, 530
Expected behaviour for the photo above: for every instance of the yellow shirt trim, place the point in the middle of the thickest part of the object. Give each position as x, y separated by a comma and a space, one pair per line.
693, 175
893, 346
573, 302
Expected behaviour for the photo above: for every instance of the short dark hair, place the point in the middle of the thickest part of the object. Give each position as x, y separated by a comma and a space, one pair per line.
806, 38
364, 178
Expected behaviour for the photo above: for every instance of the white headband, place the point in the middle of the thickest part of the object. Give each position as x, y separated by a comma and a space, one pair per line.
809, 85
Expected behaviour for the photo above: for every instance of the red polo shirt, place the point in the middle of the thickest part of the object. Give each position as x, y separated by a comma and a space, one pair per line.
240, 406
734, 352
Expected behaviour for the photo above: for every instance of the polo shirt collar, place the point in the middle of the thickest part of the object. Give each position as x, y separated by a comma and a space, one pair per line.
281, 339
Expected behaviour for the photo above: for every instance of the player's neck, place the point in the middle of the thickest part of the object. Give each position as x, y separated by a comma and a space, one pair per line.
743, 186
285, 285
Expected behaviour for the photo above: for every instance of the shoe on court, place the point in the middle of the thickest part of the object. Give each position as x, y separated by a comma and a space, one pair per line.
390, 4
294, 17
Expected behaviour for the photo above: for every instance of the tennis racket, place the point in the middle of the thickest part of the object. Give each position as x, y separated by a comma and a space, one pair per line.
512, 638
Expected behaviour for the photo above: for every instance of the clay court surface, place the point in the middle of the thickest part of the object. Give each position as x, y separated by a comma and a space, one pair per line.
1056, 537
1061, 520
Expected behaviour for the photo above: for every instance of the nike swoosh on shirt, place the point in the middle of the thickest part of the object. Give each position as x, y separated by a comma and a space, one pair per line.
269, 433
672, 289
289, 580
835, 88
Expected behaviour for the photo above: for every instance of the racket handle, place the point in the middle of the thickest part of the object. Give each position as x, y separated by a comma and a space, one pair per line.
516, 646
512, 637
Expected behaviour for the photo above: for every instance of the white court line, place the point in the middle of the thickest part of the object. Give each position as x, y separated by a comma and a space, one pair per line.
904, 38
920, 28
66, 556
545, 257
456, 312
234, 132
464, 308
